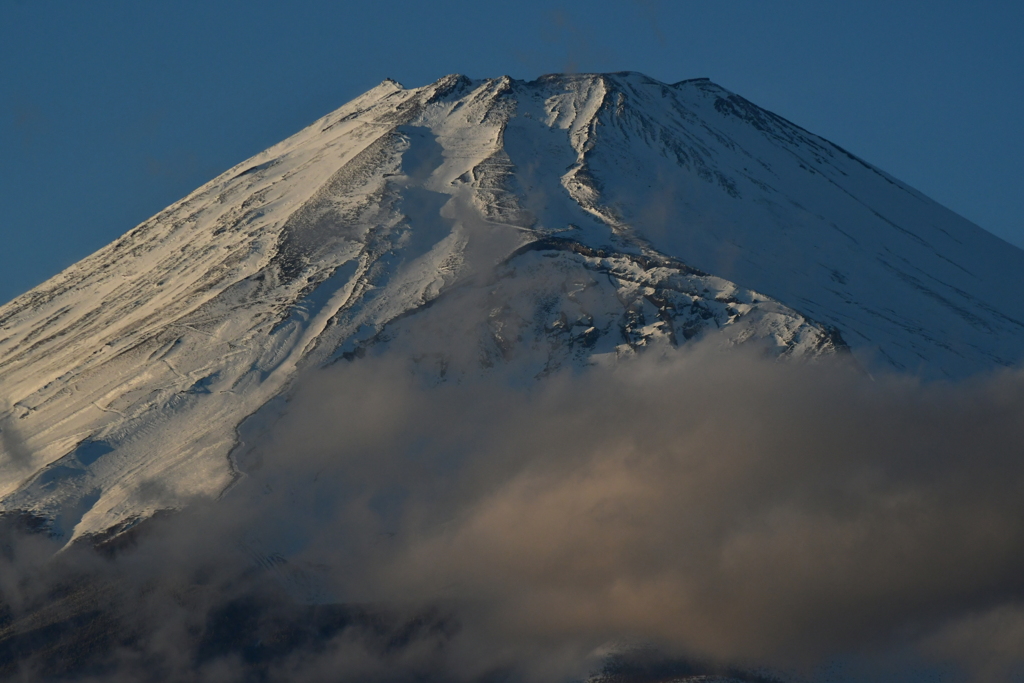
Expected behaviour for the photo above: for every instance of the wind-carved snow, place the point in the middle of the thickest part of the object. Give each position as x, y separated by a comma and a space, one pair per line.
566, 221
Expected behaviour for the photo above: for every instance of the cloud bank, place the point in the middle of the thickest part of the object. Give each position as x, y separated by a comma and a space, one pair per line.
715, 507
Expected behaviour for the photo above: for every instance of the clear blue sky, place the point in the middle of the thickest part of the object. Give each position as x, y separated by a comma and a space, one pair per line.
110, 111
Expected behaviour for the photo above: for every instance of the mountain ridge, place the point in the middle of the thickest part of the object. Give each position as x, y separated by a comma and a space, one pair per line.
574, 219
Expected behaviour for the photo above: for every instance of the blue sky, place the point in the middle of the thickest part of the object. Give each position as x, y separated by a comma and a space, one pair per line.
111, 111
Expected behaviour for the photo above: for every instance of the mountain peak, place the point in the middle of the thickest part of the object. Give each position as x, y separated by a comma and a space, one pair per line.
558, 223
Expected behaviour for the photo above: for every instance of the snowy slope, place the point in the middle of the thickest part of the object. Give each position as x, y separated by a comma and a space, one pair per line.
742, 193
565, 221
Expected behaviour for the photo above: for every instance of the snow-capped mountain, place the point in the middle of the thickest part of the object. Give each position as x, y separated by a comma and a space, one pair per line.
537, 225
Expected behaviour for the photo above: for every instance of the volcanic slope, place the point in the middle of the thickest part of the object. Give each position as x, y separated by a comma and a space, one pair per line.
560, 222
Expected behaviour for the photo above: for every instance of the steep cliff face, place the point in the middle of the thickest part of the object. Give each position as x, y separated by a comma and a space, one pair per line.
561, 222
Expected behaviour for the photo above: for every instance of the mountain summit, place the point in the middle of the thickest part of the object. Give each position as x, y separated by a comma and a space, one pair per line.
536, 225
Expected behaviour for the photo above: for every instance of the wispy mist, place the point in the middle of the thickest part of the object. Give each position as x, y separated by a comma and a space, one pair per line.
717, 507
